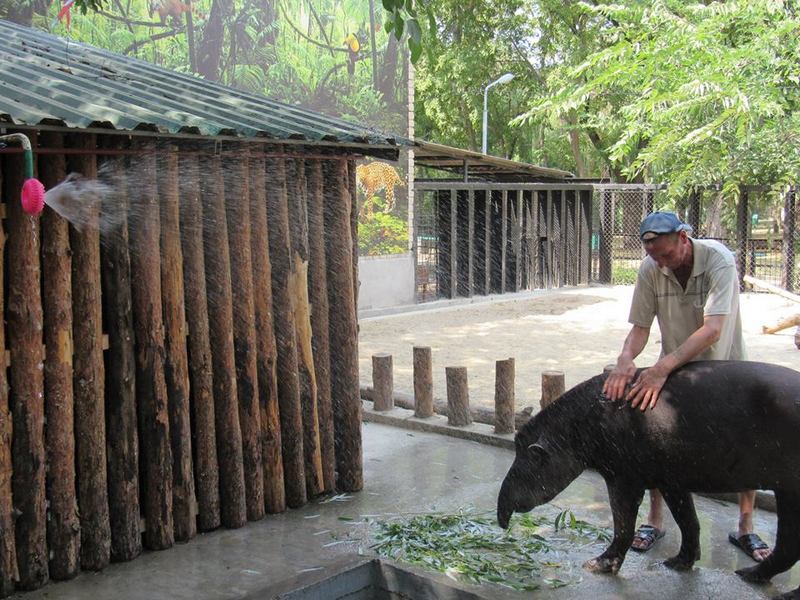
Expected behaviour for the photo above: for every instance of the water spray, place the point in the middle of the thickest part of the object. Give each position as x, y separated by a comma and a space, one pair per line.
32, 190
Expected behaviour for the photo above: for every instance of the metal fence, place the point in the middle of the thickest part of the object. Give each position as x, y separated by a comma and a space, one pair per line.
761, 229
546, 235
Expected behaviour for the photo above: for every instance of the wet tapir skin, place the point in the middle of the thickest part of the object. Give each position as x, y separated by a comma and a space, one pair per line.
719, 426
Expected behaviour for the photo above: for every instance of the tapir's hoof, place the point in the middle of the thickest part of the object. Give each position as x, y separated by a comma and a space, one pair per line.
678, 563
603, 564
793, 595
753, 575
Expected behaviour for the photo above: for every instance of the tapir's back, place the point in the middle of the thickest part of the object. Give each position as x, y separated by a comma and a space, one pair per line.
720, 425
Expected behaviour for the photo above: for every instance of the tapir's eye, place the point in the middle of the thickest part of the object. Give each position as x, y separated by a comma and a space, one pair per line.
538, 451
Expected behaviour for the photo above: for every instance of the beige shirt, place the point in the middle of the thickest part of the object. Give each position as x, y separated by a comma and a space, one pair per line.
712, 289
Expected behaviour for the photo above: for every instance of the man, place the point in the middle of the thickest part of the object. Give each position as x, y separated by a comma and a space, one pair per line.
691, 287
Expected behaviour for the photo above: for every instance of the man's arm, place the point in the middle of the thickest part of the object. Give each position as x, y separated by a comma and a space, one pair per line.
644, 392
624, 372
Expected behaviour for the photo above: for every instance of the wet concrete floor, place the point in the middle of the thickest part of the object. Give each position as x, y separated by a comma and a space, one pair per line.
408, 472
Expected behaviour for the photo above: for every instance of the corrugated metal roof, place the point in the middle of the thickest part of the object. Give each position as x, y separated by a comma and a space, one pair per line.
481, 166
44, 78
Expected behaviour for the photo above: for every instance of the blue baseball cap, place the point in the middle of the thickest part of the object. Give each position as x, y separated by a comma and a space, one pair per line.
658, 223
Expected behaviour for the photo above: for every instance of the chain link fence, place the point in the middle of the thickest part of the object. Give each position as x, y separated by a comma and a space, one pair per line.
759, 226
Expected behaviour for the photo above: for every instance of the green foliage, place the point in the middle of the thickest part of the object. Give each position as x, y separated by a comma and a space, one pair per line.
471, 547
381, 233
623, 274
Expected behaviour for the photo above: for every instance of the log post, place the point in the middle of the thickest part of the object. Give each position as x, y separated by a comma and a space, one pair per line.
266, 359
151, 387
24, 325
298, 230
382, 381
237, 210
352, 189
201, 385
176, 367
552, 387
318, 296
504, 396
457, 397
63, 524
285, 334
88, 372
220, 320
8, 554
423, 382
122, 435
343, 332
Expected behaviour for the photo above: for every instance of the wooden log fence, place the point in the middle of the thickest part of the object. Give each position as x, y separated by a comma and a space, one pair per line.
382, 381
170, 363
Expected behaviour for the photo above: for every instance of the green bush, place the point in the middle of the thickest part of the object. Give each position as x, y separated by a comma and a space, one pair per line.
622, 275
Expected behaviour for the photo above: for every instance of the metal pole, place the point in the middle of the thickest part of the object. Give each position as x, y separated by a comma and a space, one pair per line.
484, 143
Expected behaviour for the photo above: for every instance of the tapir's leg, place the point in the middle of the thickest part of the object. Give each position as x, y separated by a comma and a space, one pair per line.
787, 542
625, 500
681, 506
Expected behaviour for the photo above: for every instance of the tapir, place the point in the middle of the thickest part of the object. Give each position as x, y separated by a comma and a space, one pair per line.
718, 426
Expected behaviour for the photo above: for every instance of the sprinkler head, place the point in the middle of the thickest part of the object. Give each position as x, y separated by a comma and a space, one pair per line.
32, 196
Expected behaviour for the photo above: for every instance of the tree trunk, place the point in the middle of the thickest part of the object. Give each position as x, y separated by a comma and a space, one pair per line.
318, 292
237, 209
285, 335
151, 387
122, 441
176, 368
343, 330
298, 229
89, 376
274, 494
24, 326
220, 320
209, 51
204, 441
63, 524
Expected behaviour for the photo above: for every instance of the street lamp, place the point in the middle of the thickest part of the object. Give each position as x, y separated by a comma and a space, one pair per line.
502, 79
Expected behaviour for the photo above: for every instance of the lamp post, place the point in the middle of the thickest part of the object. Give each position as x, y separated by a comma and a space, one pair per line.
502, 79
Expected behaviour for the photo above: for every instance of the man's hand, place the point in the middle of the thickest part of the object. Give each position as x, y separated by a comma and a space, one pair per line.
621, 376
644, 391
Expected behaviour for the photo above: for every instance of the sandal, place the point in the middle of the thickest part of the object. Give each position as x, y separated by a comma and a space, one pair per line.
648, 535
748, 543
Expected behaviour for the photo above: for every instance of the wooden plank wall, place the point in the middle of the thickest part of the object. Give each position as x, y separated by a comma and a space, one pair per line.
172, 371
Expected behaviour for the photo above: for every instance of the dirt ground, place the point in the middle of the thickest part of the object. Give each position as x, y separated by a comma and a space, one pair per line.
577, 331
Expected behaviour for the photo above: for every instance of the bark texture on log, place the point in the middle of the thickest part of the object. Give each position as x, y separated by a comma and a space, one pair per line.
122, 434
552, 387
318, 296
298, 231
457, 396
383, 381
220, 320
423, 382
343, 331
151, 388
63, 524
89, 372
176, 367
204, 440
504, 396
237, 209
11, 179
274, 494
285, 335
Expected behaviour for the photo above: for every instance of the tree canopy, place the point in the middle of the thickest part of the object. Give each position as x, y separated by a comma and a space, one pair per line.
691, 93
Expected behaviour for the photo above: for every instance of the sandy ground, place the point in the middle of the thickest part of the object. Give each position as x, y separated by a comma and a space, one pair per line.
577, 331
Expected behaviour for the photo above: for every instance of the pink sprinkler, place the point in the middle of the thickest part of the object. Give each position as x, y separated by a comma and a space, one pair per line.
32, 190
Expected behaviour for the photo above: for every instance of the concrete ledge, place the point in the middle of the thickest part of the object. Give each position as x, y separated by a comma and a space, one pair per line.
484, 434
401, 417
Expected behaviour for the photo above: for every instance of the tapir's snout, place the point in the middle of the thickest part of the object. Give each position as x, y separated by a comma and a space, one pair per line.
505, 507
